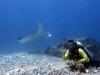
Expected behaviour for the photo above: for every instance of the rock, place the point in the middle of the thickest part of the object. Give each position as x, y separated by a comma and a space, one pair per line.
95, 71
87, 71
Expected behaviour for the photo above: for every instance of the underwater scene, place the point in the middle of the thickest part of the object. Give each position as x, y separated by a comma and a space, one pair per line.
49, 37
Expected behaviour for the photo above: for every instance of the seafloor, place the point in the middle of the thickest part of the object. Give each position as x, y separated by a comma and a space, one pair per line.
37, 64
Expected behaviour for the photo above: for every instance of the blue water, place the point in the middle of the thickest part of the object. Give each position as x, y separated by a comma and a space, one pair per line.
62, 18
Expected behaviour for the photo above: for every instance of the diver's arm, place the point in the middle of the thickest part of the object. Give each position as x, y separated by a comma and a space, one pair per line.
85, 58
65, 54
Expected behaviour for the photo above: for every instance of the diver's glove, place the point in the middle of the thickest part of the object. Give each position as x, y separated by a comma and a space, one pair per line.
74, 63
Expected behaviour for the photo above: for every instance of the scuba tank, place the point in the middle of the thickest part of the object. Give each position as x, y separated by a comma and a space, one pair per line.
80, 45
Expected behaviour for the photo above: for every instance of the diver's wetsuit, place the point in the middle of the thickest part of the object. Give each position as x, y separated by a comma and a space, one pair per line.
79, 56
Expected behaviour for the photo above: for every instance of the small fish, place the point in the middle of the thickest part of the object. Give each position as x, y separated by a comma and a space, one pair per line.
49, 35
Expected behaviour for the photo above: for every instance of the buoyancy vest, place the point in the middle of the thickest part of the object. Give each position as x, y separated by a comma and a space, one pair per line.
75, 55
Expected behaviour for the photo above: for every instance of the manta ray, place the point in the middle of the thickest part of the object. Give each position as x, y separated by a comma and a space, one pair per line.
40, 33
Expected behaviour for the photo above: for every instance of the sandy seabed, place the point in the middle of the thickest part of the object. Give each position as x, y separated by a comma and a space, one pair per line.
37, 64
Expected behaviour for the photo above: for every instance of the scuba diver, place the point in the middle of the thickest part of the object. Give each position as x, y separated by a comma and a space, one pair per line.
76, 55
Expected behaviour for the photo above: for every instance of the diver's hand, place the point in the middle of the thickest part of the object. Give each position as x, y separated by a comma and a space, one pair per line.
75, 65
70, 63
